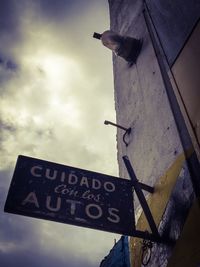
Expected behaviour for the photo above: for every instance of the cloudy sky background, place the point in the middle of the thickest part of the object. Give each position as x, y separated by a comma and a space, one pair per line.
56, 90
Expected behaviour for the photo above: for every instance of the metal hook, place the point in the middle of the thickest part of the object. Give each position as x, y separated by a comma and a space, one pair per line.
127, 130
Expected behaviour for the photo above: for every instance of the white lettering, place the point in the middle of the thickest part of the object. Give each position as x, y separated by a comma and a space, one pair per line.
48, 204
65, 191
86, 195
62, 189
33, 171
96, 184
63, 177
73, 179
98, 212
89, 196
59, 188
114, 217
48, 176
84, 181
73, 205
109, 187
31, 198
97, 198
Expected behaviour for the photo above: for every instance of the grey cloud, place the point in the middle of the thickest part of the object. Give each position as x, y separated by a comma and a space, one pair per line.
8, 69
20, 240
9, 223
7, 126
10, 26
20, 246
62, 9
9, 16
8, 64
64, 29
35, 258
5, 177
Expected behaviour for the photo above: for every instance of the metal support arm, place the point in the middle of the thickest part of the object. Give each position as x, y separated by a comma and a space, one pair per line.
154, 236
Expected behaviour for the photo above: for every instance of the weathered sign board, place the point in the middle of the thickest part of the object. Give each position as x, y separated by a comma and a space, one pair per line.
60, 193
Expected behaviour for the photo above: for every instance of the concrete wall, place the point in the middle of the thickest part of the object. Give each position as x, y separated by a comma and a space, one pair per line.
155, 148
177, 27
141, 102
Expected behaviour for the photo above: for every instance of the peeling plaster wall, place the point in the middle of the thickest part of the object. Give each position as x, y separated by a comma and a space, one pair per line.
141, 101
154, 144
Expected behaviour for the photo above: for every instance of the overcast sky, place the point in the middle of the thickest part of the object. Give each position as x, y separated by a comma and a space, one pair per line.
56, 90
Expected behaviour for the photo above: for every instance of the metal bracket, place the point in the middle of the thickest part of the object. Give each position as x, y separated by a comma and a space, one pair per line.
127, 130
138, 187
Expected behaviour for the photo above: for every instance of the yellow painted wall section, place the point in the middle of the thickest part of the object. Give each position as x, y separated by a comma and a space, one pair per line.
187, 249
157, 203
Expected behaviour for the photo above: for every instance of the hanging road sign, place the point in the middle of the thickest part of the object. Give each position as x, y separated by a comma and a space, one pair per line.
55, 192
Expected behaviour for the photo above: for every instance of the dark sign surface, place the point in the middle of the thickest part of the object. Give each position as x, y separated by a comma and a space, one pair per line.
51, 191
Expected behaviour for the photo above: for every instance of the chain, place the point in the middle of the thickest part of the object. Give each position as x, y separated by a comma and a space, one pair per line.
146, 251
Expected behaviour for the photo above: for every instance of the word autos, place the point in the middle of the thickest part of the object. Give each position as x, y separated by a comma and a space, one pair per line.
69, 186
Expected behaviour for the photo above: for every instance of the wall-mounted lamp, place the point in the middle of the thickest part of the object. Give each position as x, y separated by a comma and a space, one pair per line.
126, 47
127, 130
